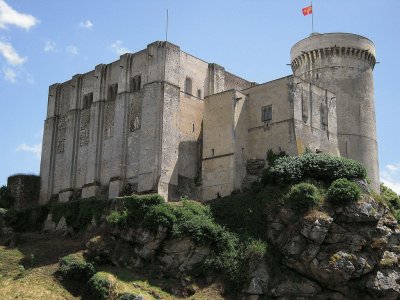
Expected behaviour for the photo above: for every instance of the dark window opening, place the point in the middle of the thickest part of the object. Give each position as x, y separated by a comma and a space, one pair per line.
112, 92
266, 113
212, 152
199, 94
135, 83
87, 101
193, 127
188, 85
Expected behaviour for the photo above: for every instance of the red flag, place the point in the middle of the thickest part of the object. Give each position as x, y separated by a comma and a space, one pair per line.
307, 10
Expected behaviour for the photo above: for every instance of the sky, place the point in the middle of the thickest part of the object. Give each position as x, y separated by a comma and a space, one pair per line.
47, 41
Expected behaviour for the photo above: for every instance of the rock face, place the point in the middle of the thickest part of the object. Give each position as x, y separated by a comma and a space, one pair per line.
133, 248
349, 252
340, 253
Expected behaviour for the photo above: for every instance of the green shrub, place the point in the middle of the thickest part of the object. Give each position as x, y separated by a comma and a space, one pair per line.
6, 200
324, 167
75, 269
272, 157
343, 191
255, 250
102, 286
302, 197
390, 197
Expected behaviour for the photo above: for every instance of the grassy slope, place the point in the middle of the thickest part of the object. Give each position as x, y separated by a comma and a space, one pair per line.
40, 257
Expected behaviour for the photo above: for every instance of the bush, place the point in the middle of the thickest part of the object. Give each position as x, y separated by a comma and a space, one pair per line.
255, 250
6, 200
324, 167
102, 286
302, 197
343, 191
75, 269
391, 199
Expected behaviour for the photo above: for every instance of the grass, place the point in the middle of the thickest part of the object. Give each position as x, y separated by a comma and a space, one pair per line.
27, 272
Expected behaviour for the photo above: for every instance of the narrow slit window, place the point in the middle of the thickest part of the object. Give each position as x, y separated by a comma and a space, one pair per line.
193, 127
199, 94
212, 152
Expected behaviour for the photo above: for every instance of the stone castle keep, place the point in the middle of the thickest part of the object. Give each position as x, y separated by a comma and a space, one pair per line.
163, 120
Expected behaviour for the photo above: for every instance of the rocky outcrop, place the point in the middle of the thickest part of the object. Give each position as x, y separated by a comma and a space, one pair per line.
346, 252
134, 248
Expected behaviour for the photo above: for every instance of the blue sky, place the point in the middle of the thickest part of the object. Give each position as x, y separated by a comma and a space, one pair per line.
46, 41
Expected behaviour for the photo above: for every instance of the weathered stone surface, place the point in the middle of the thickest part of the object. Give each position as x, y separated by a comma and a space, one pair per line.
353, 251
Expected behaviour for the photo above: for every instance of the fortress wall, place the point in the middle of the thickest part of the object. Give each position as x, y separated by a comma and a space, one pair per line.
190, 127
240, 133
278, 134
63, 139
197, 70
235, 82
85, 118
315, 118
218, 165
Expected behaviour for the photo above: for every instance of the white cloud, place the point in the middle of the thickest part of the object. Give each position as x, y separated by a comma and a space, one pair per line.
49, 46
9, 16
390, 176
10, 74
9, 53
35, 149
117, 48
72, 49
86, 24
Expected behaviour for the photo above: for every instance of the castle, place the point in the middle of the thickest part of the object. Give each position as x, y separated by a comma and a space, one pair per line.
163, 120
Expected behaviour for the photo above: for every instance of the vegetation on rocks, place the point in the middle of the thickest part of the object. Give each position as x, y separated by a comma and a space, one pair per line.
322, 167
301, 210
343, 191
303, 196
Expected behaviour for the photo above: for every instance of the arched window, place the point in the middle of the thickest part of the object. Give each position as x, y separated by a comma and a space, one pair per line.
188, 86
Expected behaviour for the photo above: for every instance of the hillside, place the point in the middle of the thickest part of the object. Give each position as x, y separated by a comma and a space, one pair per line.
309, 228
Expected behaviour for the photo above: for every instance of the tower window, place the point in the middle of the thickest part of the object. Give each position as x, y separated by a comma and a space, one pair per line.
87, 101
112, 92
193, 127
135, 83
188, 86
266, 115
212, 152
199, 93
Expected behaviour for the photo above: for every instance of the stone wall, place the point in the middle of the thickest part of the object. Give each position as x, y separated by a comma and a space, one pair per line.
24, 189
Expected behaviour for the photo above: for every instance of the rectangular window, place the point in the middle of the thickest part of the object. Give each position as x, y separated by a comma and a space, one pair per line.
199, 94
266, 113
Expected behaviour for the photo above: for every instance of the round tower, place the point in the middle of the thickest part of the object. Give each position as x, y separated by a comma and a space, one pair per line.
343, 63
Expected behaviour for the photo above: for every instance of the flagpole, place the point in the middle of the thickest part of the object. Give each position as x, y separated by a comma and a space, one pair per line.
312, 18
166, 29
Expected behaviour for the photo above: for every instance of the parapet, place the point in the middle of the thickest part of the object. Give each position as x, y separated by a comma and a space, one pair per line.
320, 45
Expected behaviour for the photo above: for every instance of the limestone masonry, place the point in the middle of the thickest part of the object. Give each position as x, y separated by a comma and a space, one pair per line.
163, 120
